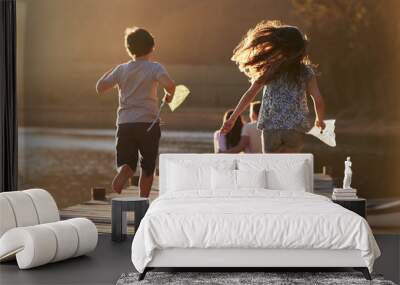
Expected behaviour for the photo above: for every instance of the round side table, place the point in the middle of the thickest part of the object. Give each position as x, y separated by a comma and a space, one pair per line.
119, 207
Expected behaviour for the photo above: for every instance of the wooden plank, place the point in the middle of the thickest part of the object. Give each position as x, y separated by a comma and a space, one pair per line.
100, 211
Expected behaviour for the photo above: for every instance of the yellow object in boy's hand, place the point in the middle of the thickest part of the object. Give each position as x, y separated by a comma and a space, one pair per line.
181, 92
173, 101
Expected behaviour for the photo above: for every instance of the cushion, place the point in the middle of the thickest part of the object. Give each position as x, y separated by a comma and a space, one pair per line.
187, 177
223, 179
46, 207
33, 246
67, 240
290, 175
23, 208
87, 233
290, 179
45, 243
251, 178
231, 180
7, 218
193, 175
26, 208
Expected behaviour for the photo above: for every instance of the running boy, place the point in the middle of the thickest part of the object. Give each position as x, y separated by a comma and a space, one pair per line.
137, 81
274, 57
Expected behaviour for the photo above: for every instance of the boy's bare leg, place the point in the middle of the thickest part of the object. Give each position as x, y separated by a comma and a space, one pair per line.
145, 183
124, 173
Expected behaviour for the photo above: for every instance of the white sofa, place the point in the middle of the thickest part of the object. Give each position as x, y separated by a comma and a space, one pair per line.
31, 230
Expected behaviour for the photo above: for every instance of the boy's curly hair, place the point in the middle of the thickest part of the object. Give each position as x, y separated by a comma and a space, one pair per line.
138, 42
269, 49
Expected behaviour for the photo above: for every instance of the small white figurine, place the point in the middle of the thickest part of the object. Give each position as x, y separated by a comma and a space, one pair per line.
347, 174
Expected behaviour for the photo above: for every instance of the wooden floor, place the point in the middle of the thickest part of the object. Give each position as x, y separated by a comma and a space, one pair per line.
104, 265
110, 259
100, 211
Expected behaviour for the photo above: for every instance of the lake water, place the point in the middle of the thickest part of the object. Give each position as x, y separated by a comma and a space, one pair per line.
69, 162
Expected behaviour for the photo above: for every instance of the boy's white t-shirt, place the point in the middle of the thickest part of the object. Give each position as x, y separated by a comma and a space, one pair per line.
254, 134
137, 82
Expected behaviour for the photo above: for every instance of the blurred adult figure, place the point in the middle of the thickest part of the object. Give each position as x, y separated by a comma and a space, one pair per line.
223, 142
250, 140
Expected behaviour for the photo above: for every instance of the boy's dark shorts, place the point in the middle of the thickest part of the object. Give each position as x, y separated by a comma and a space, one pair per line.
274, 140
132, 139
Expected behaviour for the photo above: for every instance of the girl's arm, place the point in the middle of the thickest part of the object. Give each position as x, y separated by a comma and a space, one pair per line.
319, 104
246, 99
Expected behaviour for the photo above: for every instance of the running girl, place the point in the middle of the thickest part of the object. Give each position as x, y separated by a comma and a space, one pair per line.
274, 57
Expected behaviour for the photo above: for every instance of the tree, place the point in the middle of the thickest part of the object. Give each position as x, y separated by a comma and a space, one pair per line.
354, 43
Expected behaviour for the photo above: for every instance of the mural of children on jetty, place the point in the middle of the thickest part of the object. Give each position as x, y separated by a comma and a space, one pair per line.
256, 84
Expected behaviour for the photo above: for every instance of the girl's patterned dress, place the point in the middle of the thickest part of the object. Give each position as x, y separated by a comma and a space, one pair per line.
284, 105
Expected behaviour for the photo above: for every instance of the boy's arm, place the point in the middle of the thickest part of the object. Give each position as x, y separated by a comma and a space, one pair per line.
243, 143
319, 104
246, 99
169, 86
104, 83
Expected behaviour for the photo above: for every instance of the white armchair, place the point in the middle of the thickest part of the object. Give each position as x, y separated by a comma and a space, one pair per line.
31, 230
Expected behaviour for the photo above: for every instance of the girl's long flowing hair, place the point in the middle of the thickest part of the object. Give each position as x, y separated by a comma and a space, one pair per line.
233, 137
269, 49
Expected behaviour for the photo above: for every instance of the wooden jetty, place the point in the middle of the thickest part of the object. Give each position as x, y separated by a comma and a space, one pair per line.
100, 211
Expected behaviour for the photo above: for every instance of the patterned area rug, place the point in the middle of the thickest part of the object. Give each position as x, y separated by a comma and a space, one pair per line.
243, 278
